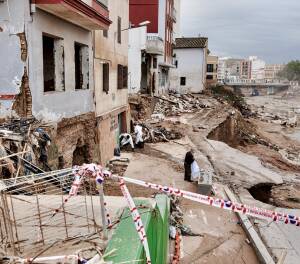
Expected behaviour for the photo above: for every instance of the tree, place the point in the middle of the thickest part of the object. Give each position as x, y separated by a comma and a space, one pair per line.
291, 71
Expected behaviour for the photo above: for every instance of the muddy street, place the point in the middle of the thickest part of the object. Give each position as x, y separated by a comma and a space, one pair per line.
254, 157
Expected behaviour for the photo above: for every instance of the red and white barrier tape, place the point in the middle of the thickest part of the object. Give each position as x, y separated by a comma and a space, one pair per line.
223, 204
136, 219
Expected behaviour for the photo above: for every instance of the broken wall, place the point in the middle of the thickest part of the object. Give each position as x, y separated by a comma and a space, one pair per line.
13, 53
74, 142
109, 128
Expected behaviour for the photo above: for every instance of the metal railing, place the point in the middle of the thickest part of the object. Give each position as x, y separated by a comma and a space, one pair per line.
154, 38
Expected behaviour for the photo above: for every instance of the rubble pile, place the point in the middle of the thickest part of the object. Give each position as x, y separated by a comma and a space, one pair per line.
23, 143
154, 134
176, 104
288, 120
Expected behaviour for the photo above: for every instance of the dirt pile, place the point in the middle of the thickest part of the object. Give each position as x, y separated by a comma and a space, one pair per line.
224, 93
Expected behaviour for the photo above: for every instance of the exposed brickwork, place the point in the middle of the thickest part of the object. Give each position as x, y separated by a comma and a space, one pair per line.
23, 101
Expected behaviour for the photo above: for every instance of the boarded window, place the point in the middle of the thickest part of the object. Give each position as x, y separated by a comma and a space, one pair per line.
119, 30
122, 76
81, 66
182, 81
105, 74
53, 64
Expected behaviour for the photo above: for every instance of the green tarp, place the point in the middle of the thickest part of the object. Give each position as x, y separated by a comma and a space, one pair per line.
125, 245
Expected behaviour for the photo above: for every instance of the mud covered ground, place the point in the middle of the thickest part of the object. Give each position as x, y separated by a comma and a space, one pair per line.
241, 150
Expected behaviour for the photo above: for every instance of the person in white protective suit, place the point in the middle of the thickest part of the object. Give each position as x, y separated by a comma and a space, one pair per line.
126, 139
138, 131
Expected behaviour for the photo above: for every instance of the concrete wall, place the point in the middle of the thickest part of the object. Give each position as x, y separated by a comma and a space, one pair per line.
137, 43
53, 106
108, 50
192, 65
13, 15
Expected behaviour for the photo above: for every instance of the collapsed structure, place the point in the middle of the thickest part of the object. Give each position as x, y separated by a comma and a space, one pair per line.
64, 67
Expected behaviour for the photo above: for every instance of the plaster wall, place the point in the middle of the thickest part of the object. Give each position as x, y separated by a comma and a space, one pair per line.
137, 43
13, 15
53, 106
192, 65
108, 50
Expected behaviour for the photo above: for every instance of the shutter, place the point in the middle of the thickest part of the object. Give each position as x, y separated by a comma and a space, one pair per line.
119, 30
120, 76
125, 77
105, 77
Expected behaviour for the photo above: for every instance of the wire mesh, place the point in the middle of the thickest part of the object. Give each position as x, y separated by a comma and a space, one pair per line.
34, 212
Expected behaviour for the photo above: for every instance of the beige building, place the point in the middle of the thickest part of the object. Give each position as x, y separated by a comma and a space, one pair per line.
110, 77
212, 70
272, 70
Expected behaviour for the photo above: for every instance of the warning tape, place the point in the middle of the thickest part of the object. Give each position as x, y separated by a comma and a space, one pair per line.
136, 218
99, 174
223, 204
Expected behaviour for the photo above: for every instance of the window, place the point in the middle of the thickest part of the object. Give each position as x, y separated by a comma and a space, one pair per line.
210, 68
105, 33
105, 75
119, 30
182, 81
81, 66
122, 76
53, 64
154, 63
209, 77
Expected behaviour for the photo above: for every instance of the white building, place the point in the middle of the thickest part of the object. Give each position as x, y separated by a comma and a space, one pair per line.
257, 68
136, 51
191, 61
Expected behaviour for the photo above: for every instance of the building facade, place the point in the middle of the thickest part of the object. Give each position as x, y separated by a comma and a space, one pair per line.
212, 70
257, 68
47, 57
191, 56
158, 56
271, 72
111, 79
229, 69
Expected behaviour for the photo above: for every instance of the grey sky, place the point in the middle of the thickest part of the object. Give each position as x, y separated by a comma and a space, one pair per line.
269, 29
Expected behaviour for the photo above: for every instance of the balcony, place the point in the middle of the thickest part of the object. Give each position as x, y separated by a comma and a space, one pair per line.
155, 45
88, 14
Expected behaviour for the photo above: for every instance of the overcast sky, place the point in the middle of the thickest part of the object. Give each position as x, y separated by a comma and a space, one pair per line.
269, 29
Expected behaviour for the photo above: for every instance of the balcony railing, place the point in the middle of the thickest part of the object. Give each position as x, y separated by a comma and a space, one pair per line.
155, 45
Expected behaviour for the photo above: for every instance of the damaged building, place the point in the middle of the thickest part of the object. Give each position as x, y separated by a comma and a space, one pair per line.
55, 54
